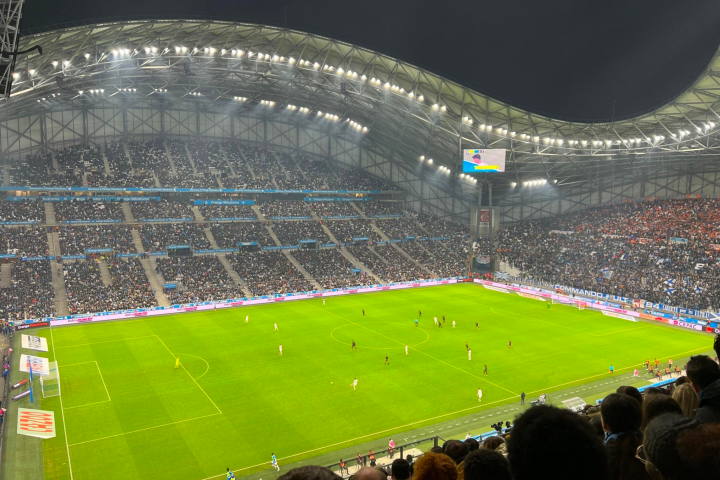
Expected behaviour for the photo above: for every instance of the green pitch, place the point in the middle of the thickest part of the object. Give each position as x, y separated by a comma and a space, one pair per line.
128, 413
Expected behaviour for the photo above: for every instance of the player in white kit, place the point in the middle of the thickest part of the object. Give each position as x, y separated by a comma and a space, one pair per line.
276, 328
453, 323
435, 318
323, 301
354, 384
281, 350
479, 395
406, 350
469, 354
247, 318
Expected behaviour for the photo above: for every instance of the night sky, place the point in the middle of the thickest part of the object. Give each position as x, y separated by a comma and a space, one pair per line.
567, 59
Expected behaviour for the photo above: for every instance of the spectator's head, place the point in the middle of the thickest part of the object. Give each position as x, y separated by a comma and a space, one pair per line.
620, 413
369, 473
681, 380
687, 398
702, 371
400, 469
310, 473
631, 392
548, 442
492, 443
455, 449
650, 391
437, 449
699, 448
486, 464
435, 466
657, 405
664, 461
596, 424
472, 444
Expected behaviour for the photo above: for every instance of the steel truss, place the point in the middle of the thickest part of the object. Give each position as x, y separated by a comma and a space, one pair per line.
409, 112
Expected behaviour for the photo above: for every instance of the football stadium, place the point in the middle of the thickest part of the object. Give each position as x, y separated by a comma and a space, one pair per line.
236, 250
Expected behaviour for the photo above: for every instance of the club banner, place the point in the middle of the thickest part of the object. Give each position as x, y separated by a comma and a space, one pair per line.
35, 343
36, 423
39, 365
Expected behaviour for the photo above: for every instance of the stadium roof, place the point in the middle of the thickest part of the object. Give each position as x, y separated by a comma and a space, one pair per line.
402, 110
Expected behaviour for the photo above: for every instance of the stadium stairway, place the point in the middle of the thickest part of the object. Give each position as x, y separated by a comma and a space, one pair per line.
282, 167
127, 154
6, 177
198, 216
302, 173
84, 180
379, 232
56, 165
190, 159
227, 160
156, 281
6, 275
50, 215
129, 218
105, 273
173, 170
257, 211
268, 227
137, 240
412, 259
360, 212
106, 163
302, 270
234, 275
58, 278
247, 164
157, 180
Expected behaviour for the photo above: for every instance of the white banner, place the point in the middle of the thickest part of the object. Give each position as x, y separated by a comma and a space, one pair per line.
36, 423
39, 365
620, 315
35, 343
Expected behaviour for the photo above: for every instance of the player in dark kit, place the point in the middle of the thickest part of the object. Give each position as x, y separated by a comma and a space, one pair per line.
353, 347
466, 346
443, 319
485, 372
419, 313
510, 345
363, 312
477, 327
387, 359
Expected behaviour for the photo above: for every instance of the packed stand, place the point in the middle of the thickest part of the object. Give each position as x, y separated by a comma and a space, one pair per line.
210, 212
659, 251
88, 210
81, 157
415, 250
441, 228
330, 268
24, 211
157, 236
382, 208
264, 166
450, 257
243, 178
31, 292
87, 294
317, 172
292, 232
207, 155
24, 241
293, 179
156, 209
346, 230
356, 179
117, 159
187, 178
140, 180
75, 240
38, 170
389, 264
228, 235
333, 209
199, 279
399, 229
148, 156
282, 208
269, 272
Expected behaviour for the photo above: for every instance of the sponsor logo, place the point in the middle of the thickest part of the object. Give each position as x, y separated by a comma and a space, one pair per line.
532, 297
139, 314
36, 423
189, 309
317, 294
384, 288
32, 325
236, 304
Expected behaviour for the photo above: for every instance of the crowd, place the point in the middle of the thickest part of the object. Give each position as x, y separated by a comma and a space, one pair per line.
356, 179
117, 160
332, 209
316, 172
148, 156
23, 241
399, 228
660, 251
292, 232
382, 208
139, 180
269, 272
450, 257
207, 156
198, 279
437, 227
30, 294
264, 166
415, 250
157, 236
160, 209
25, 211
80, 157
228, 235
88, 210
293, 178
243, 178
38, 170
283, 208
227, 211
87, 293
330, 268
388, 264
346, 230
74, 240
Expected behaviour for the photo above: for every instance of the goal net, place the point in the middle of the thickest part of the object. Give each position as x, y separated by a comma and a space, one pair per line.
50, 383
570, 303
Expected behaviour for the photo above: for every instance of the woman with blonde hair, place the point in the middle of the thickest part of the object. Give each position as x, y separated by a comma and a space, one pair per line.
687, 398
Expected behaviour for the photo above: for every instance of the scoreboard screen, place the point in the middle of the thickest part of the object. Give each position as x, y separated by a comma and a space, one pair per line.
479, 161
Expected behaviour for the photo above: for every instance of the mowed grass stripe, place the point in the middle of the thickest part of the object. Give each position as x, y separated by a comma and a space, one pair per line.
301, 404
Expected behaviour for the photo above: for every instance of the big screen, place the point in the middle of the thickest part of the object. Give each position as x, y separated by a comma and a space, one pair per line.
475, 161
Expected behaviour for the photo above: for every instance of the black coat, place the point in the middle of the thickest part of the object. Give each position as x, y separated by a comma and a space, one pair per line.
709, 410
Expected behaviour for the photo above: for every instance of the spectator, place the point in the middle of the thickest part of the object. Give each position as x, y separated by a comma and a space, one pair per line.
704, 374
435, 466
621, 418
310, 472
369, 473
455, 449
400, 469
687, 398
663, 458
472, 444
548, 442
486, 464
656, 405
632, 392
492, 443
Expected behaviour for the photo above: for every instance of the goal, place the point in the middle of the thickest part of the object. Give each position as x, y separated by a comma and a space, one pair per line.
50, 383
570, 303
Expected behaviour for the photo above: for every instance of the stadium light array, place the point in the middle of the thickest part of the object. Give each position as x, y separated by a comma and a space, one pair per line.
267, 103
240, 99
534, 183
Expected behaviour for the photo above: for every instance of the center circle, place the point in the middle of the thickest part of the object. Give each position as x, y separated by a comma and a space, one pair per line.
380, 335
